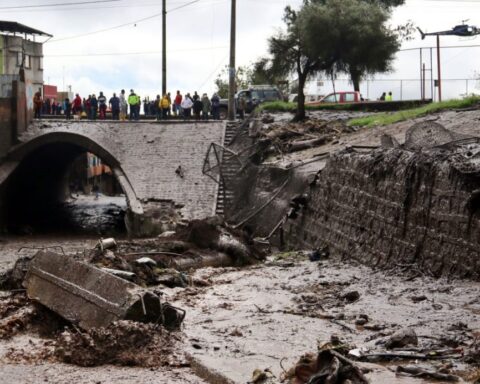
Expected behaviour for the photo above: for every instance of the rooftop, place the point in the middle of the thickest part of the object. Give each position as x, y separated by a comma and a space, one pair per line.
14, 27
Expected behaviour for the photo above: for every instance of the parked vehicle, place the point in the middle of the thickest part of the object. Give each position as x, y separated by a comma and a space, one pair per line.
340, 97
254, 96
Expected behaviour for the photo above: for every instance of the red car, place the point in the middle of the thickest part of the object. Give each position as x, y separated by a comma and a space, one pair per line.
340, 97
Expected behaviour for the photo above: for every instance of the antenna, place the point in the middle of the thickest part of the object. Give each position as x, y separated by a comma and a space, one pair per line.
464, 21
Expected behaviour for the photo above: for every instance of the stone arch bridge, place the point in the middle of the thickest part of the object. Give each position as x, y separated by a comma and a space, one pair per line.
143, 156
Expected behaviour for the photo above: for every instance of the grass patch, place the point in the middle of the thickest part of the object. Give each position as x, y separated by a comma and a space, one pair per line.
391, 118
283, 106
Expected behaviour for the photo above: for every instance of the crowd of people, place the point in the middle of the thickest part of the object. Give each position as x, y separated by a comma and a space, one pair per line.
123, 107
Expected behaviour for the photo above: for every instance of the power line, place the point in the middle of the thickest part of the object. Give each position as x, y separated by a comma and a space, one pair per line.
60, 4
182, 6
107, 29
136, 53
121, 25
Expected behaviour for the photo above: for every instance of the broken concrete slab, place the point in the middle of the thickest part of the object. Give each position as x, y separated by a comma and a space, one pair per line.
91, 297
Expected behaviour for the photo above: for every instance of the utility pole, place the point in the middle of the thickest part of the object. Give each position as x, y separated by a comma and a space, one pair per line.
164, 48
231, 69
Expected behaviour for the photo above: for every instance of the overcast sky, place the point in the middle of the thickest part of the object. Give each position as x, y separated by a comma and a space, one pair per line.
198, 37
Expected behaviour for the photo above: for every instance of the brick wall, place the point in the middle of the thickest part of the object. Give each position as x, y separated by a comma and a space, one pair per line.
395, 207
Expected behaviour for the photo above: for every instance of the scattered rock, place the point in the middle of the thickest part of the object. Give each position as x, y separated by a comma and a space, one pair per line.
418, 299
351, 297
402, 338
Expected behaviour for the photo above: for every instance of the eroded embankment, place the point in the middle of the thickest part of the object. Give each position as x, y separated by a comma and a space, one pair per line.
412, 205
395, 206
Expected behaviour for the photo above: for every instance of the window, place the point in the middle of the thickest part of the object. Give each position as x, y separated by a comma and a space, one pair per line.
23, 60
40, 62
331, 98
271, 95
349, 97
258, 95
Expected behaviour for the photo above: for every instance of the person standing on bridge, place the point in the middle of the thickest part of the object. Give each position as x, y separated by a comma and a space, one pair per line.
157, 108
216, 107
177, 106
123, 106
77, 104
133, 101
93, 107
197, 107
389, 97
187, 105
102, 106
68, 108
115, 106
206, 106
165, 106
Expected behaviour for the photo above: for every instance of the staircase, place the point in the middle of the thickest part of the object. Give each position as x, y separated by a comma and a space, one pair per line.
229, 169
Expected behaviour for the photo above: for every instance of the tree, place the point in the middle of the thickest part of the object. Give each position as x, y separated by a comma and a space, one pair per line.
261, 73
289, 56
242, 80
351, 34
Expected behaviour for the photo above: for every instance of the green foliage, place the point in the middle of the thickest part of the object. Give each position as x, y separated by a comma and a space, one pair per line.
351, 36
385, 3
391, 118
242, 80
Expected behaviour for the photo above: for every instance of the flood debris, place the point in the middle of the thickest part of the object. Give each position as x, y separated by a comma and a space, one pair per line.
402, 338
123, 342
417, 372
280, 138
92, 298
169, 258
327, 367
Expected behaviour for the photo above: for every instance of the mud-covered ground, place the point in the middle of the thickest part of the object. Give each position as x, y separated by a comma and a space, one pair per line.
264, 315
464, 122
267, 316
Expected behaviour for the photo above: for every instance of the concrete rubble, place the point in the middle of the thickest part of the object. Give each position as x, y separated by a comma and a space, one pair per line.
91, 297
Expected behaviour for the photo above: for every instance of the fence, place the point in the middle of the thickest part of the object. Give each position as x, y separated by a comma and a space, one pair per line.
414, 75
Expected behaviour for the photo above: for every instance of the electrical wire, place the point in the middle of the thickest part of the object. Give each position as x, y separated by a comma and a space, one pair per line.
59, 4
182, 6
134, 23
135, 53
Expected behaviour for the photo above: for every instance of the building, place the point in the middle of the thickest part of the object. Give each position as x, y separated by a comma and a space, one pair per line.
21, 75
18, 49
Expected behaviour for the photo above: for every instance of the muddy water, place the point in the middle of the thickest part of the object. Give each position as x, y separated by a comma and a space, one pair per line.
80, 214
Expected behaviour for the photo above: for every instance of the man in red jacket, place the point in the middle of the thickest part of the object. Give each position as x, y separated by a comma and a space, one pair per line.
177, 104
77, 104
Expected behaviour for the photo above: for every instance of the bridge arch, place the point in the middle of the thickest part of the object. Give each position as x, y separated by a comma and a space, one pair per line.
49, 155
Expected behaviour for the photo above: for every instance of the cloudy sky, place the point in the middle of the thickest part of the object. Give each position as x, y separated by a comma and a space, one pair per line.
126, 53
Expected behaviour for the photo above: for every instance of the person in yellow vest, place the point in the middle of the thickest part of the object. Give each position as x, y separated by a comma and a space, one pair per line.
165, 106
389, 97
134, 101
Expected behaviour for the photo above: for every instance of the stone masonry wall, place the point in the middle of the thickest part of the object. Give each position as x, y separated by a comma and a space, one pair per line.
149, 154
395, 207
